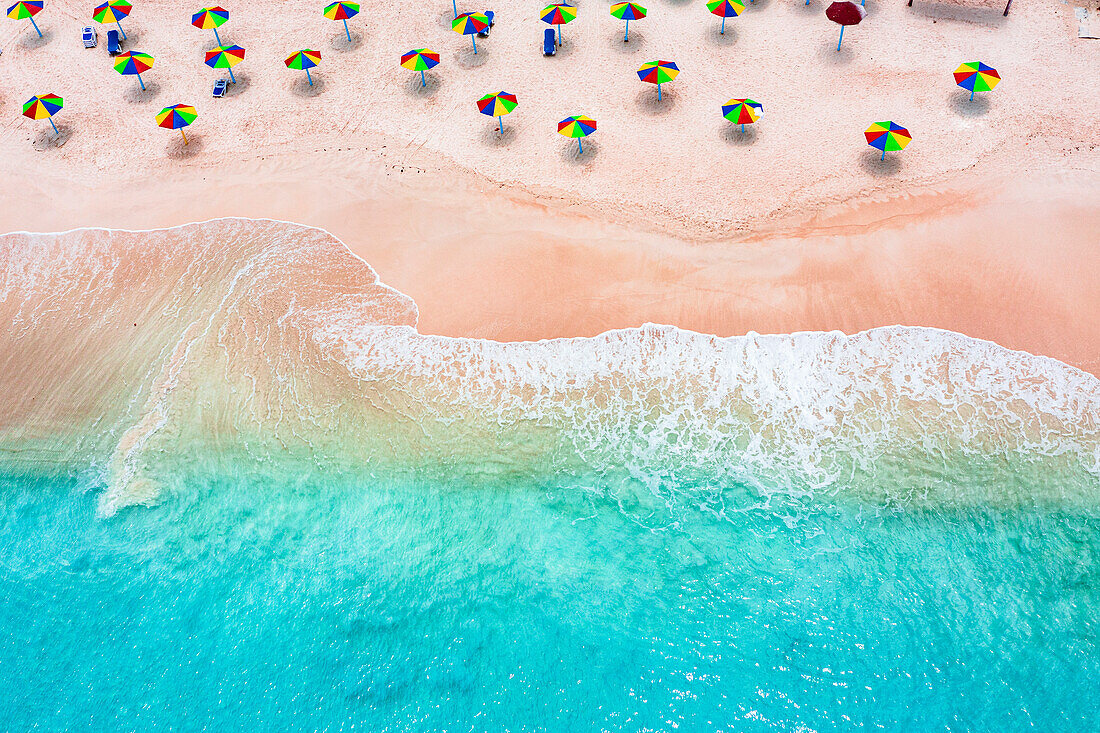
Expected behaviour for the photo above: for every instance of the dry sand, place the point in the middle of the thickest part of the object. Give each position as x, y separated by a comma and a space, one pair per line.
987, 225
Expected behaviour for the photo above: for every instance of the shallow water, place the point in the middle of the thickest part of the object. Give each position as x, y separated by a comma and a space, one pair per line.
368, 604
238, 489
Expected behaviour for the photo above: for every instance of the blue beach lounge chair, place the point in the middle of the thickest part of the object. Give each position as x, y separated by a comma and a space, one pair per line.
485, 33
549, 42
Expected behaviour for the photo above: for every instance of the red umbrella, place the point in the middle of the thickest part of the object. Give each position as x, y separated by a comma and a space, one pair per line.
845, 13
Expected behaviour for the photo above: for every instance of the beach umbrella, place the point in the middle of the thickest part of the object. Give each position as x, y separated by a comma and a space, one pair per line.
44, 108
726, 9
177, 117
497, 105
658, 72
27, 9
558, 14
130, 63
628, 12
977, 77
887, 136
210, 19
742, 111
342, 11
845, 14
225, 57
578, 127
420, 59
305, 59
112, 11
470, 24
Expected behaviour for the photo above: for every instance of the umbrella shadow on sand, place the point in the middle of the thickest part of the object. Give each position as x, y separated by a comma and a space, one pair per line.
238, 87
340, 41
571, 154
178, 151
961, 105
46, 139
137, 95
635, 44
648, 103
715, 37
31, 40
871, 161
303, 88
423, 91
467, 59
828, 53
733, 135
493, 138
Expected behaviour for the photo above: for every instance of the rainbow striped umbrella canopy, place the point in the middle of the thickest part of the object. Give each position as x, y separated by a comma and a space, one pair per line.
42, 107
176, 116
495, 105
742, 111
470, 23
210, 18
304, 59
658, 72
887, 136
420, 59
112, 11
578, 126
628, 11
25, 9
558, 13
225, 57
133, 62
341, 11
726, 8
977, 77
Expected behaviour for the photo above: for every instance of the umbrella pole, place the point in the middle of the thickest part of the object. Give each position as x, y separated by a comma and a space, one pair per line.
423, 81
217, 37
658, 92
346, 29
841, 38
723, 31
184, 136
56, 131
972, 94
473, 37
627, 36
141, 82
231, 77
454, 4
500, 119
742, 128
309, 78
883, 154
580, 147
120, 30
36, 27
559, 34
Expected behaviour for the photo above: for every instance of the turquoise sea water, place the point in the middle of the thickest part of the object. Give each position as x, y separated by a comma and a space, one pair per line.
315, 602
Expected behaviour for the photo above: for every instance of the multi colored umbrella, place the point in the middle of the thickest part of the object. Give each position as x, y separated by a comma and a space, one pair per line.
742, 111
658, 72
210, 19
305, 60
27, 9
887, 136
578, 127
129, 63
225, 57
628, 12
177, 117
558, 14
112, 11
470, 24
342, 11
420, 59
497, 105
726, 9
977, 77
844, 14
44, 107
